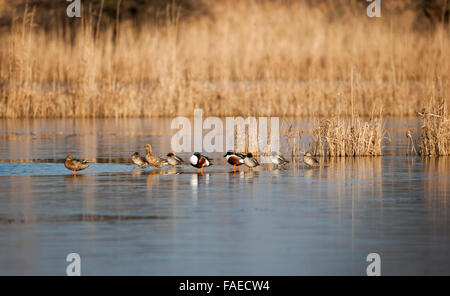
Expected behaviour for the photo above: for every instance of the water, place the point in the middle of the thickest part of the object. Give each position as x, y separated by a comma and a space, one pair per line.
291, 221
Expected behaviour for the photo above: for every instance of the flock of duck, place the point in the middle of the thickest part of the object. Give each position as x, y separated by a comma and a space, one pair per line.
197, 160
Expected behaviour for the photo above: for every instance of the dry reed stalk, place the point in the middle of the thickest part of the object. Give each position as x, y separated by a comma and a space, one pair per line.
263, 59
293, 136
342, 137
411, 143
435, 137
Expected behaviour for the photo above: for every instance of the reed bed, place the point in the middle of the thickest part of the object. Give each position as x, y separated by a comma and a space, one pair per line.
293, 136
435, 137
343, 137
258, 58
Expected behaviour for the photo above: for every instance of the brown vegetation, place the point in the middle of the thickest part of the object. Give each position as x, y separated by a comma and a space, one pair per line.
342, 137
259, 58
435, 137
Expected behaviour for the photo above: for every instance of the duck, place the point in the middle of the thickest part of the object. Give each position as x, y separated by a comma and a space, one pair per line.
250, 161
75, 164
174, 160
138, 160
278, 159
154, 161
309, 160
200, 161
235, 159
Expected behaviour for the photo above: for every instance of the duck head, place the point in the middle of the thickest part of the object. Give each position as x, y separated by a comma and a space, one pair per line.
229, 153
148, 148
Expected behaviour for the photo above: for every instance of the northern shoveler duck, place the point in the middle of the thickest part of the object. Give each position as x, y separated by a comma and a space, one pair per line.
138, 160
174, 160
235, 159
75, 164
250, 161
154, 161
309, 160
277, 159
200, 161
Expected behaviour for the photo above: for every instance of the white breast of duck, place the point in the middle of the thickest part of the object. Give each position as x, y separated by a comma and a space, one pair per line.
193, 160
199, 161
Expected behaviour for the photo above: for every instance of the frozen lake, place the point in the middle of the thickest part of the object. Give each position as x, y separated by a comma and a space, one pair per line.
292, 221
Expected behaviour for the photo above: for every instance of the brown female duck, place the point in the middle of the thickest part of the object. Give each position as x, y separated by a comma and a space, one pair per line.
154, 161
309, 160
75, 164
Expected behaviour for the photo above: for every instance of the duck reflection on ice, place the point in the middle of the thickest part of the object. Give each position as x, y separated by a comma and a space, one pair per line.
138, 171
199, 179
250, 175
173, 170
311, 173
196, 181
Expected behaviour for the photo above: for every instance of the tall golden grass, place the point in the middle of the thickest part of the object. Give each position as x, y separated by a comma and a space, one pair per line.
343, 137
248, 58
435, 134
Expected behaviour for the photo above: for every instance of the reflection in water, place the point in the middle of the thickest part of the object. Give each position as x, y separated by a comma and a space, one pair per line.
198, 183
274, 221
138, 171
194, 187
114, 140
440, 169
348, 207
437, 186
173, 170
312, 173
203, 179
250, 175
361, 170
105, 140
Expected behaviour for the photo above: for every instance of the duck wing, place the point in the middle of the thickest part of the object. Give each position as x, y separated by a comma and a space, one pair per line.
209, 160
282, 159
178, 159
77, 164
